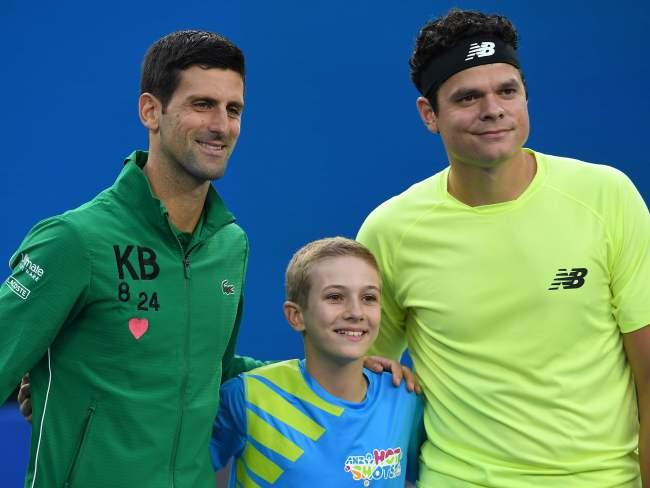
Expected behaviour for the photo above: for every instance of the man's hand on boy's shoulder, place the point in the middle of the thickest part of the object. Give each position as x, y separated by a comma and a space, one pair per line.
399, 371
25, 398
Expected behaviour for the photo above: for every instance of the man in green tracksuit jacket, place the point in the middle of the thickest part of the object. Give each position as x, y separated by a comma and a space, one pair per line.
126, 309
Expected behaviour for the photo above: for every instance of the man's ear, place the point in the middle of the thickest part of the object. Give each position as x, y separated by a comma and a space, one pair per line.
293, 314
149, 110
427, 114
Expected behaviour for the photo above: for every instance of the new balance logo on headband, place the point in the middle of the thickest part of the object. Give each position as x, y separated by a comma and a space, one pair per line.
480, 50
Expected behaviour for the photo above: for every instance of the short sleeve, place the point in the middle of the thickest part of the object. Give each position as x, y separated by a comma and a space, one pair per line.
630, 257
229, 428
391, 341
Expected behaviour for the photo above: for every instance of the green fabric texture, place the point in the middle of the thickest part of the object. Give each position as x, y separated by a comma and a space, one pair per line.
127, 336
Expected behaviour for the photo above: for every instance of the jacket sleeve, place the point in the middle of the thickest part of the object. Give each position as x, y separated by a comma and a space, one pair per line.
229, 429
47, 286
233, 364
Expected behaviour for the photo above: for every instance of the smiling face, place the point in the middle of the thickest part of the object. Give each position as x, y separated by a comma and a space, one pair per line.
196, 132
482, 115
340, 319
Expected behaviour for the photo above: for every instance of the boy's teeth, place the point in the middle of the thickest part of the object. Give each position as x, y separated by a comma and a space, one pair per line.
351, 333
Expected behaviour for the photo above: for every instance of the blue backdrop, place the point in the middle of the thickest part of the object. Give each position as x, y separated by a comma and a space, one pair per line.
330, 128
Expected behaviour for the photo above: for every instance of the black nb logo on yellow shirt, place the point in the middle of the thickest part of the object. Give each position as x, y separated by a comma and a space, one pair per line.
569, 279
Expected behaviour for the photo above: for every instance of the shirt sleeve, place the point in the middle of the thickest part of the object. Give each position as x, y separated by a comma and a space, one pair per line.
629, 225
391, 341
229, 428
50, 275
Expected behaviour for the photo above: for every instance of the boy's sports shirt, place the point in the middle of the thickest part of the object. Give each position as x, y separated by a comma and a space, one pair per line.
284, 429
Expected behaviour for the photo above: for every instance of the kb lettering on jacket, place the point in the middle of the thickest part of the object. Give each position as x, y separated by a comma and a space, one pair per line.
149, 268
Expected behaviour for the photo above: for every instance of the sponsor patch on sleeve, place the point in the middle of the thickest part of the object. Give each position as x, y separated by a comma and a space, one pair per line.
31, 269
18, 288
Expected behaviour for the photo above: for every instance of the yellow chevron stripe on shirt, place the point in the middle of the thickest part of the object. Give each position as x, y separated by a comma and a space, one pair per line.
268, 436
271, 402
259, 464
243, 479
287, 376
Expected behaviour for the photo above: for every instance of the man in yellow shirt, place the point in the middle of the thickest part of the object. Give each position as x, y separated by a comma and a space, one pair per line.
519, 282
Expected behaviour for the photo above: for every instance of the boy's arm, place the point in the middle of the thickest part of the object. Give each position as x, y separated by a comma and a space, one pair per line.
229, 429
223, 475
46, 288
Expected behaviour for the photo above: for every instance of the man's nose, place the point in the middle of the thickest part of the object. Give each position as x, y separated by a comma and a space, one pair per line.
491, 107
218, 120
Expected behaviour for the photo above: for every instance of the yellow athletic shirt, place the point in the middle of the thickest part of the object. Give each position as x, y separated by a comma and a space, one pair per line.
513, 315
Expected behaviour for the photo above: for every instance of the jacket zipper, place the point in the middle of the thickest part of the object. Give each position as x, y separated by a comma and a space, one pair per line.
186, 275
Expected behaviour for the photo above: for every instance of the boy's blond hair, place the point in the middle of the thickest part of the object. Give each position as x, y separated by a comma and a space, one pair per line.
297, 277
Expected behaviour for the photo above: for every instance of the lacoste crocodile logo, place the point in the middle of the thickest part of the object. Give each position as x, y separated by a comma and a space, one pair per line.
227, 288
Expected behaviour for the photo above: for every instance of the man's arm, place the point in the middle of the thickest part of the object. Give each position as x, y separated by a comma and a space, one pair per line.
637, 348
375, 234
232, 364
46, 288
390, 344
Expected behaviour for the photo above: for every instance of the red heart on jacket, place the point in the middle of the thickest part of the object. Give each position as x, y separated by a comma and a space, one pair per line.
138, 327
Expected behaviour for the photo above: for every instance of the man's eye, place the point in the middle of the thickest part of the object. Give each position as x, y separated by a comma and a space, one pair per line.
467, 98
234, 111
509, 91
334, 297
201, 105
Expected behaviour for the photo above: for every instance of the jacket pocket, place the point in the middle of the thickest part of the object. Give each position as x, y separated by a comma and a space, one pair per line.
80, 445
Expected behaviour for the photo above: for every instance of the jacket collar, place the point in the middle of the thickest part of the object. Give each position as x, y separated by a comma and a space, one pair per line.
132, 187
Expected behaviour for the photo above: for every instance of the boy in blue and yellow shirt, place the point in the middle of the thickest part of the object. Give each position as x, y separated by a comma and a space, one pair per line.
324, 420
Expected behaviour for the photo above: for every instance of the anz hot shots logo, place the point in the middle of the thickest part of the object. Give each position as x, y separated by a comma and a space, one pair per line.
380, 464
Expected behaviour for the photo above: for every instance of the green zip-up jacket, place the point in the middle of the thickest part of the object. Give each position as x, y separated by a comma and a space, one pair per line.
128, 328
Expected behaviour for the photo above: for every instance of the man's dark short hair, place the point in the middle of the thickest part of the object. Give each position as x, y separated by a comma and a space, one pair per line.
181, 50
441, 34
